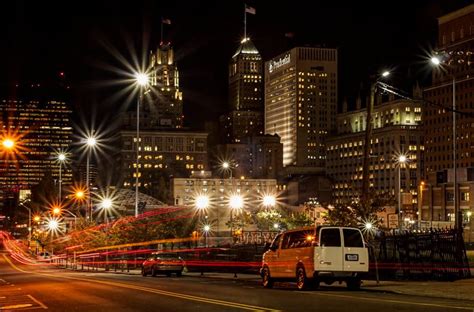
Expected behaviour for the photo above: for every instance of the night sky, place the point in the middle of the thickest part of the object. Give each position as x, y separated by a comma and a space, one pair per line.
42, 38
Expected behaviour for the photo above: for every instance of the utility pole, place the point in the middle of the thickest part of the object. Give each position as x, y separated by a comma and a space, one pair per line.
368, 135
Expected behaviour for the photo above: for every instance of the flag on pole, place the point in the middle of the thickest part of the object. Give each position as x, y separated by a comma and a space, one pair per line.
166, 21
250, 10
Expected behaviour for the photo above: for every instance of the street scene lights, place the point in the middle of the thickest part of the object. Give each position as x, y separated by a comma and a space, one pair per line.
368, 133
269, 201
206, 229
142, 80
402, 159
202, 202
227, 167
106, 204
61, 158
438, 62
236, 202
8, 144
91, 142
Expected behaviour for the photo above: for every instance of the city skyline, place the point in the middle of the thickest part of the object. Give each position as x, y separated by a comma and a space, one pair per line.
204, 35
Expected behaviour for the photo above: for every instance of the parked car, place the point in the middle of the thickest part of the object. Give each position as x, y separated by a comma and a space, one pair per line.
163, 263
310, 256
43, 256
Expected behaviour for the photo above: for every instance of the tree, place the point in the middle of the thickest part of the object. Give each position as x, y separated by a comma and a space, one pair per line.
357, 213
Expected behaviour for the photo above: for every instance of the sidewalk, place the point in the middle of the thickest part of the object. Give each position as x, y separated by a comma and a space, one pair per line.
461, 290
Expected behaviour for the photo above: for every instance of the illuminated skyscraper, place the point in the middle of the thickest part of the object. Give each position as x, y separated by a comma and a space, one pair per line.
40, 117
245, 117
162, 105
301, 103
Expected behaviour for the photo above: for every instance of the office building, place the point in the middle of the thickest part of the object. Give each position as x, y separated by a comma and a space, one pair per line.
301, 103
396, 131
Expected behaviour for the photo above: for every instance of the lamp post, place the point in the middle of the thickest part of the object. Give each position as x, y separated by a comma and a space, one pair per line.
106, 204
142, 81
435, 60
401, 161
61, 158
91, 143
368, 134
227, 167
236, 201
206, 230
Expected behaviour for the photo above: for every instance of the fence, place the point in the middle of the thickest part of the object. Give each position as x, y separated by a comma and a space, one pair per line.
429, 255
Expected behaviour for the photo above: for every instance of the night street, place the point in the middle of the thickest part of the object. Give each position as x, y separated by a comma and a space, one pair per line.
29, 287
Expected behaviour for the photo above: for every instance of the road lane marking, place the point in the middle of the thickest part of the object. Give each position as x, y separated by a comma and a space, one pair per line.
16, 306
38, 302
151, 290
392, 301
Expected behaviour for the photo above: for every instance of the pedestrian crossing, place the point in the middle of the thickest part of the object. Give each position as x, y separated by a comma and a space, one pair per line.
13, 298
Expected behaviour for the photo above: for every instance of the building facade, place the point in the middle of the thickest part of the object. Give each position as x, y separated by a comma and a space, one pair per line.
455, 47
396, 131
162, 154
301, 103
452, 89
218, 191
38, 119
257, 157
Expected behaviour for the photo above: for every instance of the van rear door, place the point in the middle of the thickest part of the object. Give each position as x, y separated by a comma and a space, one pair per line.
329, 250
356, 258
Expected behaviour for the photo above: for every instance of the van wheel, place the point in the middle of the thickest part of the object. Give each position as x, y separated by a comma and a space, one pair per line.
267, 281
302, 282
353, 283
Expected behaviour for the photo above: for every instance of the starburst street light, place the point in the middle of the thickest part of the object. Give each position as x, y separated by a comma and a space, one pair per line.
236, 202
435, 60
61, 158
443, 61
269, 201
401, 159
202, 202
141, 79
8, 143
91, 143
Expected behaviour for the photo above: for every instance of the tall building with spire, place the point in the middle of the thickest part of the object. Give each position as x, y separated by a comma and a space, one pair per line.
162, 105
245, 116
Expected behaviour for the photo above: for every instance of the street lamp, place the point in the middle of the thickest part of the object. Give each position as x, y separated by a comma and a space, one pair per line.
226, 166
91, 142
236, 202
206, 229
106, 204
8, 144
61, 158
141, 80
436, 61
368, 133
202, 202
269, 201
402, 159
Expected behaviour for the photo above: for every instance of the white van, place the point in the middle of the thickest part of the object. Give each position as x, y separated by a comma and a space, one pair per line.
310, 256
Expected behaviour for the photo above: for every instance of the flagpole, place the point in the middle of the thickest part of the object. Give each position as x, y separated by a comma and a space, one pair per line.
245, 21
161, 38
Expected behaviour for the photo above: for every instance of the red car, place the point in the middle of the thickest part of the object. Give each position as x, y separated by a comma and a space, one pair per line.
163, 263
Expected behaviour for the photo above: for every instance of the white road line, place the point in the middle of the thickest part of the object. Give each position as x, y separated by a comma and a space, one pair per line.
38, 302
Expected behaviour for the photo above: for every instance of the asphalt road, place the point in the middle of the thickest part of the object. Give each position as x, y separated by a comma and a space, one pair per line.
39, 288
